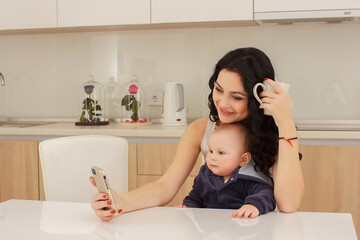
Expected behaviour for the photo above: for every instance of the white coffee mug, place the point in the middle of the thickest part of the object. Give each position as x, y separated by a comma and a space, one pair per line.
266, 87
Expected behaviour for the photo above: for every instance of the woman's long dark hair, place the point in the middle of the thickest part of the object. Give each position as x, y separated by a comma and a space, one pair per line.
253, 66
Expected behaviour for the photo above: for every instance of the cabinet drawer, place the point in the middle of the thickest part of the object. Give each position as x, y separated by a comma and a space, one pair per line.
155, 158
19, 170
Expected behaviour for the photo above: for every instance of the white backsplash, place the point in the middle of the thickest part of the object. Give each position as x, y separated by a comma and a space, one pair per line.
44, 72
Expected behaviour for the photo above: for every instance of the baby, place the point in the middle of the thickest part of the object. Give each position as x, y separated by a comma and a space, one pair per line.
228, 178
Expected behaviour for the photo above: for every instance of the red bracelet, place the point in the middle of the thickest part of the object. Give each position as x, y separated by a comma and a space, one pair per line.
288, 140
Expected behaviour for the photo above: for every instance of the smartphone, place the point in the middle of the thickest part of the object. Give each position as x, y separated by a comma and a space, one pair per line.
103, 186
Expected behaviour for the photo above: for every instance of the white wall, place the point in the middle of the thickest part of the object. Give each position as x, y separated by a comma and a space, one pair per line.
44, 72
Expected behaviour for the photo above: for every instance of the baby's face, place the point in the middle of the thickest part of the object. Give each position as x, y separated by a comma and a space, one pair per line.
225, 151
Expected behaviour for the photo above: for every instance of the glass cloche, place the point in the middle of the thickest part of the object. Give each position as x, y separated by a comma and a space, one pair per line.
92, 99
113, 100
133, 102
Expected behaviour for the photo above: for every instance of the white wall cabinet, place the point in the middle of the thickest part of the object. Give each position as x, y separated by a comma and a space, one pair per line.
80, 13
181, 11
27, 14
304, 5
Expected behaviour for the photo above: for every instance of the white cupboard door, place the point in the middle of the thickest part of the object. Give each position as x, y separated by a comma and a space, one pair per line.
177, 11
303, 5
27, 14
75, 13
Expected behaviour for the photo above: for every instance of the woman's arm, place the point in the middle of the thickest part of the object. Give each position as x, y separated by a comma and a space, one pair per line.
287, 172
163, 190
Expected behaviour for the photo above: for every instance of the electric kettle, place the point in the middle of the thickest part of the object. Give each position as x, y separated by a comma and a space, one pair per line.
174, 111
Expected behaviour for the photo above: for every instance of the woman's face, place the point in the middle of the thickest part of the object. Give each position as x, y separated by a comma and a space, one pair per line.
230, 97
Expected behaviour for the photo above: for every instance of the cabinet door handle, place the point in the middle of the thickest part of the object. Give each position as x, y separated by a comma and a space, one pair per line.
2, 79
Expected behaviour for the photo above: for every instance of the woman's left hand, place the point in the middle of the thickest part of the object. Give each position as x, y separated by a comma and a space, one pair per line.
278, 103
246, 211
180, 206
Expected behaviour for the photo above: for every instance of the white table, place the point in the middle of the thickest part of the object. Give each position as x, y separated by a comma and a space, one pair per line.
24, 219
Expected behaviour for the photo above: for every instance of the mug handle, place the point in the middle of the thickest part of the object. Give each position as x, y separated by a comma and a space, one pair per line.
255, 91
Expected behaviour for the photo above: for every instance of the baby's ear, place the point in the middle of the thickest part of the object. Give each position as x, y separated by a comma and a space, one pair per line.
245, 159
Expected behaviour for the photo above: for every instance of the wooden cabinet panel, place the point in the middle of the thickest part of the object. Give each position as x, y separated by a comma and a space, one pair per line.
132, 165
183, 192
97, 13
41, 183
155, 158
331, 176
27, 14
177, 11
19, 170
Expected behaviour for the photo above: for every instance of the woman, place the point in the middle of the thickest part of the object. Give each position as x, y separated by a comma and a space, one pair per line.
231, 100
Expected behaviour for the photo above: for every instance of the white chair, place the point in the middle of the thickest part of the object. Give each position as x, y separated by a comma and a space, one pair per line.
66, 165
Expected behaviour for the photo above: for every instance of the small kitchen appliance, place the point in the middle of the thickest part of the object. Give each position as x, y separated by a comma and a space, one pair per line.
174, 111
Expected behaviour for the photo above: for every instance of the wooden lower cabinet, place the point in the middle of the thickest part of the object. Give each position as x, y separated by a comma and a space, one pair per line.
19, 170
332, 175
153, 159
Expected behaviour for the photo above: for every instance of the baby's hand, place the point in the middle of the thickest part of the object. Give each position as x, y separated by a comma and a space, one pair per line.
246, 211
180, 206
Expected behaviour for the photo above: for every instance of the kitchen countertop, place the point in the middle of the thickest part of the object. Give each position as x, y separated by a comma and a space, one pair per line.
154, 131
67, 129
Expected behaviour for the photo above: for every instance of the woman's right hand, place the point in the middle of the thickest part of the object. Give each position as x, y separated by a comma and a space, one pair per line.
100, 200
278, 103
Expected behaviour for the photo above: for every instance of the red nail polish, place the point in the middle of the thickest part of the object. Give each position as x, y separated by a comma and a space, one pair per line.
266, 79
105, 196
109, 202
120, 210
113, 211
